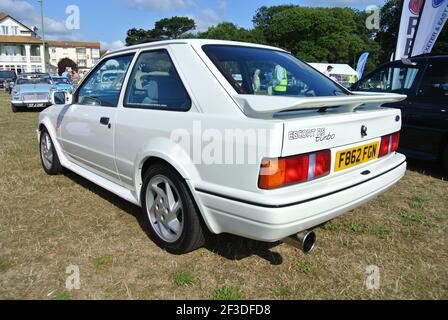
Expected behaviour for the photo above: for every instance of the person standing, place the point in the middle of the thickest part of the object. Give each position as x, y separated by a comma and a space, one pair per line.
67, 73
328, 71
75, 77
256, 81
280, 80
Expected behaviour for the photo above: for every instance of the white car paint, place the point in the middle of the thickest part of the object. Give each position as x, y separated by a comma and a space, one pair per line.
228, 196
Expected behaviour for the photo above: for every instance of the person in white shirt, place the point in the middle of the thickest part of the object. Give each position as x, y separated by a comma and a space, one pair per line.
328, 71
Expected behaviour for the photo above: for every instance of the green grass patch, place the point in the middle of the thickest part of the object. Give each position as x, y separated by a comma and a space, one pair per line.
305, 267
102, 262
417, 203
183, 279
63, 296
411, 216
227, 294
357, 228
410, 232
380, 231
285, 291
330, 226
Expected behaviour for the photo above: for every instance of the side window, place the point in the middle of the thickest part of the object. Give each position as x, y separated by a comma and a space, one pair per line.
155, 84
103, 86
390, 79
435, 81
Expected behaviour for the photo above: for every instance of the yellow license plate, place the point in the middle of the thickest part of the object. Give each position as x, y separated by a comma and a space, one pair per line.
355, 156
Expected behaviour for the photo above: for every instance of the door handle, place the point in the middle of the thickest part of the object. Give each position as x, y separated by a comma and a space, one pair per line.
105, 122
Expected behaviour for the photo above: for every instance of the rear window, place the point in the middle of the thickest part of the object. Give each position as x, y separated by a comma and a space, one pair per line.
260, 71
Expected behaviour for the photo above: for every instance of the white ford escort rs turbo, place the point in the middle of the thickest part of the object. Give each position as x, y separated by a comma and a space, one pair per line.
225, 137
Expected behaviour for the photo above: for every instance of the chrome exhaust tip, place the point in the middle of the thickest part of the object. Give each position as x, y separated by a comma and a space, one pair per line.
305, 241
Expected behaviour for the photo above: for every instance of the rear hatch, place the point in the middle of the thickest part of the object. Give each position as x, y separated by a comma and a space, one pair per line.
351, 127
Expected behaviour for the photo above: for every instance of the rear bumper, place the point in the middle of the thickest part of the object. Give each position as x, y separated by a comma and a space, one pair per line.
17, 103
272, 223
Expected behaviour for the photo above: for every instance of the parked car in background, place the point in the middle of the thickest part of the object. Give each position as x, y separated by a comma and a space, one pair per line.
62, 84
424, 79
7, 80
32, 90
283, 162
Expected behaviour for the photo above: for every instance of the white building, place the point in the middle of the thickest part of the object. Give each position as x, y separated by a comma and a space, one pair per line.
20, 49
84, 54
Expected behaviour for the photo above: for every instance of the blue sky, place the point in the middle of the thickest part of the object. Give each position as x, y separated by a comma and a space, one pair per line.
107, 21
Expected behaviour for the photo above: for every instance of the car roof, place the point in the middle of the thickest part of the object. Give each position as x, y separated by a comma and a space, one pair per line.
192, 42
420, 58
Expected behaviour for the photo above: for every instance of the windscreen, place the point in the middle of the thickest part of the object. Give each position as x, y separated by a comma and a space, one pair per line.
61, 81
39, 80
260, 71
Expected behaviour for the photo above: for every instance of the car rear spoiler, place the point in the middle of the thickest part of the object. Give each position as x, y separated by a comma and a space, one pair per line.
267, 106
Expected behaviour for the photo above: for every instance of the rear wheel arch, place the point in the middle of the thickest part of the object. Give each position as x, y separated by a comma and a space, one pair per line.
154, 160
186, 170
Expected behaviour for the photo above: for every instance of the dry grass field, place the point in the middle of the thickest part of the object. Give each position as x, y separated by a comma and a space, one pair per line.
48, 223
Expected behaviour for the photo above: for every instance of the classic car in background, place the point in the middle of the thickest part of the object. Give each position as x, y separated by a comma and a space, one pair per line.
7, 79
32, 90
62, 84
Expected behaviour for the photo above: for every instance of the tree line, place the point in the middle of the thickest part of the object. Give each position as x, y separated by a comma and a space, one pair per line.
313, 34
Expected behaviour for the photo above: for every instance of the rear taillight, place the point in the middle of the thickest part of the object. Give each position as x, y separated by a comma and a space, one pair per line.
395, 142
384, 148
389, 144
286, 171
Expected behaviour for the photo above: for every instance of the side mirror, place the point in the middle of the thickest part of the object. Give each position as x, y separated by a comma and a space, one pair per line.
60, 97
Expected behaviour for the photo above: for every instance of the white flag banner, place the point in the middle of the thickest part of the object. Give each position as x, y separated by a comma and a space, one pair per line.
434, 16
408, 25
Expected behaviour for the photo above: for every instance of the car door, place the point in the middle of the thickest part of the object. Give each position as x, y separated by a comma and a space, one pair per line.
155, 101
87, 128
426, 115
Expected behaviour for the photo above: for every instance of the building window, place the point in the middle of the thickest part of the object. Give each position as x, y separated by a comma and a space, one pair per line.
95, 53
15, 30
35, 51
5, 30
36, 68
9, 50
53, 50
82, 63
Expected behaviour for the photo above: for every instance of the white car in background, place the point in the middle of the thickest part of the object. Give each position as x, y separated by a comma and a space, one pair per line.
199, 150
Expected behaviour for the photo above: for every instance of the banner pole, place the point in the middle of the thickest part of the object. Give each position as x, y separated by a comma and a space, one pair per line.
398, 32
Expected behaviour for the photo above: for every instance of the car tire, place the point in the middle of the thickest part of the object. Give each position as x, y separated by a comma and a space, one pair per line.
170, 214
445, 160
48, 155
14, 108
